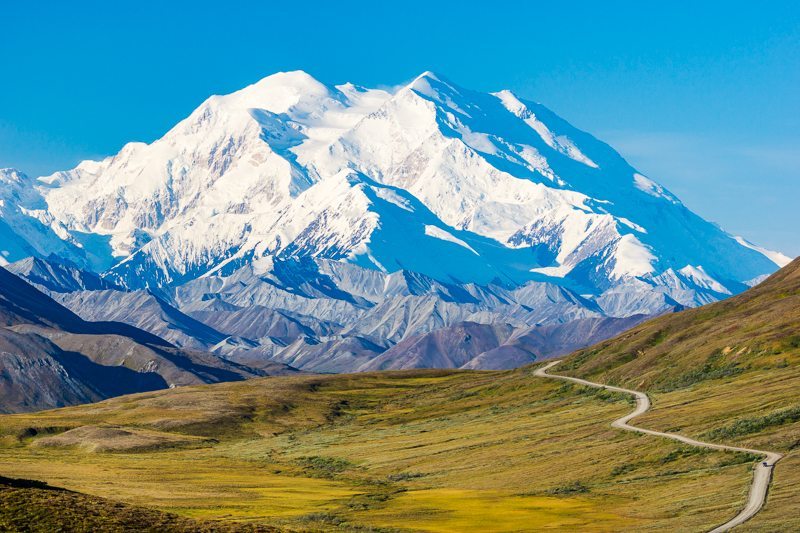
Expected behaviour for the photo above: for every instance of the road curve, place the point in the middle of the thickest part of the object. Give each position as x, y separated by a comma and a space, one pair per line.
761, 476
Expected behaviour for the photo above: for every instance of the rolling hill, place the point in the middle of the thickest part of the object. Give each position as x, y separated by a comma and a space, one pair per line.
37, 507
755, 331
725, 372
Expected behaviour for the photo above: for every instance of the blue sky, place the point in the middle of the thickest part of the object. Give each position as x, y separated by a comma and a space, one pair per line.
702, 96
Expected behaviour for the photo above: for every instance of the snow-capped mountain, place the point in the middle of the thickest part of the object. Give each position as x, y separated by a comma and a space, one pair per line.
362, 217
432, 178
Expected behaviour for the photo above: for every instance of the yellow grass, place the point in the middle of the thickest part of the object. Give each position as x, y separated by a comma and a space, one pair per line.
429, 451
447, 510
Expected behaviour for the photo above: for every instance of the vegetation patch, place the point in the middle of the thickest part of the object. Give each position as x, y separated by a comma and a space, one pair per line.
374, 499
118, 439
746, 426
324, 467
596, 393
33, 506
31, 432
573, 488
404, 476
684, 451
657, 338
281, 462
623, 469
793, 342
712, 369
738, 458
8, 482
321, 519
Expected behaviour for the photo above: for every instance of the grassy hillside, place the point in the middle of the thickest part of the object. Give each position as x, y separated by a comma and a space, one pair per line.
423, 450
727, 372
754, 331
457, 451
37, 507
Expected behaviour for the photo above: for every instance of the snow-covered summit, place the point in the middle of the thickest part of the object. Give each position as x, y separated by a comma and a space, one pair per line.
431, 177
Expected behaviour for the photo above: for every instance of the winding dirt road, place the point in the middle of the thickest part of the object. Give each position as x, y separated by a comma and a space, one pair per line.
761, 476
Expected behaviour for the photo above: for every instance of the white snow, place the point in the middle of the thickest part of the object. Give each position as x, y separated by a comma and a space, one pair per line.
700, 278
561, 143
289, 166
645, 184
632, 258
439, 233
776, 257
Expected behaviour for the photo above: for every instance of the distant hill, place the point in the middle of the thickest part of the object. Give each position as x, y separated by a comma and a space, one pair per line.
50, 357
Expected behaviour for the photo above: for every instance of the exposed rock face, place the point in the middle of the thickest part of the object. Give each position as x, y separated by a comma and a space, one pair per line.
496, 347
323, 316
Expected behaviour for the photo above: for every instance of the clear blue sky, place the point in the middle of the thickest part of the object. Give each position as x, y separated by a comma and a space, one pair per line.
701, 96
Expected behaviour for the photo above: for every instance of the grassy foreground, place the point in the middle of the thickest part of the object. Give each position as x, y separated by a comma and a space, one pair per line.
421, 450
37, 507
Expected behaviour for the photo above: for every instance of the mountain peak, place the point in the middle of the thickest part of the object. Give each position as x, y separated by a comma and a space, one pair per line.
428, 82
277, 92
12, 174
428, 74
294, 78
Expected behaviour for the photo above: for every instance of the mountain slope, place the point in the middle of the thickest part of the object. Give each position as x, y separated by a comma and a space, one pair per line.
497, 346
258, 322
361, 218
53, 276
146, 311
50, 357
452, 347
25, 503
383, 309
94, 298
36, 374
21, 303
757, 329
27, 228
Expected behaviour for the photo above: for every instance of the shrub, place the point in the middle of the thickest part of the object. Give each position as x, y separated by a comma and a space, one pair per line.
573, 488
746, 426
326, 467
709, 370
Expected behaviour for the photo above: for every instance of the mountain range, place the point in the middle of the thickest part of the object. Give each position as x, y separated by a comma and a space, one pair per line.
50, 357
341, 228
